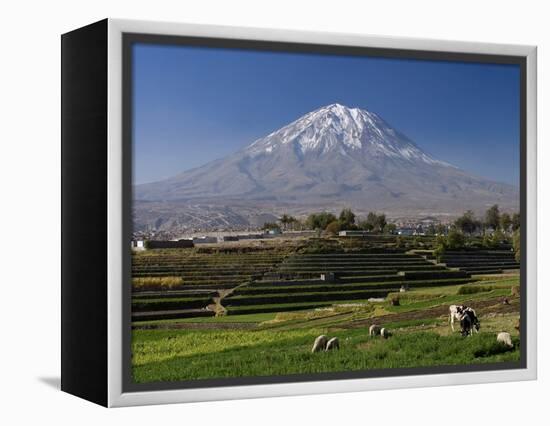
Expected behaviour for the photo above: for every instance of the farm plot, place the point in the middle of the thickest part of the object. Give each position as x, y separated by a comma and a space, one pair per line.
178, 284
277, 305
347, 277
480, 261
281, 345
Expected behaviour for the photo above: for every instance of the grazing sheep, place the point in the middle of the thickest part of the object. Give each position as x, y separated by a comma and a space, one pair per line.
333, 344
385, 333
403, 289
505, 339
319, 344
374, 330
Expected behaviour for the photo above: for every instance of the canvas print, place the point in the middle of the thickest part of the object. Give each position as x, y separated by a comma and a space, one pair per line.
300, 213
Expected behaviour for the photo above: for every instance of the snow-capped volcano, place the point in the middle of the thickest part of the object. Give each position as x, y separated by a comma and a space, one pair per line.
347, 129
333, 156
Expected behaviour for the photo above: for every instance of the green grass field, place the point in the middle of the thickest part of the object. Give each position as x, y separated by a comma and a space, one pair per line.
267, 325
168, 355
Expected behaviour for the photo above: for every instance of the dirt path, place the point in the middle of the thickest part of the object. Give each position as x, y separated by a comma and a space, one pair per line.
482, 308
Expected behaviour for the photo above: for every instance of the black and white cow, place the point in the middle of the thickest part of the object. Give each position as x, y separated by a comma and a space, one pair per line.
469, 322
455, 313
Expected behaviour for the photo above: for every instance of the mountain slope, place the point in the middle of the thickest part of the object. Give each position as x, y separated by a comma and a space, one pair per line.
331, 156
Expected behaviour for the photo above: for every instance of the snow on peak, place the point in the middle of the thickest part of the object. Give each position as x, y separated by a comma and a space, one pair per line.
345, 129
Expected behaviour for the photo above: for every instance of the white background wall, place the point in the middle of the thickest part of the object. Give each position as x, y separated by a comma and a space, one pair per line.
30, 199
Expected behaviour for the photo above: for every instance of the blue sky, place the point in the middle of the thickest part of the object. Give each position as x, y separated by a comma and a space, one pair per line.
193, 105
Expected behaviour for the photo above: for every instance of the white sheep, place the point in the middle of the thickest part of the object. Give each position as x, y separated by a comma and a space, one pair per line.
385, 333
505, 339
319, 344
333, 344
374, 330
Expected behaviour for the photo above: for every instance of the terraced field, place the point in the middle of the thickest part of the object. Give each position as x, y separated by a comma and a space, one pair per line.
348, 277
280, 343
200, 315
177, 284
481, 261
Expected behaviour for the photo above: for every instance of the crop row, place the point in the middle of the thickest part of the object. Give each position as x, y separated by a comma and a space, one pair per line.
317, 281
478, 253
484, 271
260, 309
144, 295
427, 275
191, 277
208, 258
171, 314
198, 273
460, 264
373, 256
169, 303
303, 297
428, 266
352, 264
321, 286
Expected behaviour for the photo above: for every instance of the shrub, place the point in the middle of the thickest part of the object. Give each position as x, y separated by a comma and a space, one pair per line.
144, 283
333, 228
516, 243
321, 246
398, 242
467, 289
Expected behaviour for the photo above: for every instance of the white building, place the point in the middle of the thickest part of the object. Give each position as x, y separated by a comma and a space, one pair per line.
138, 245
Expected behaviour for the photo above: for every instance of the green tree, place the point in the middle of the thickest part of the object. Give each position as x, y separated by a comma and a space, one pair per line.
374, 222
365, 225
287, 221
516, 221
467, 223
390, 228
319, 220
271, 226
430, 229
492, 217
333, 227
455, 240
505, 222
517, 244
440, 229
347, 219
381, 222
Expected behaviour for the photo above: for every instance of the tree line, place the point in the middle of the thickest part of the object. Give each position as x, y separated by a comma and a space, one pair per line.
495, 227
493, 221
330, 223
